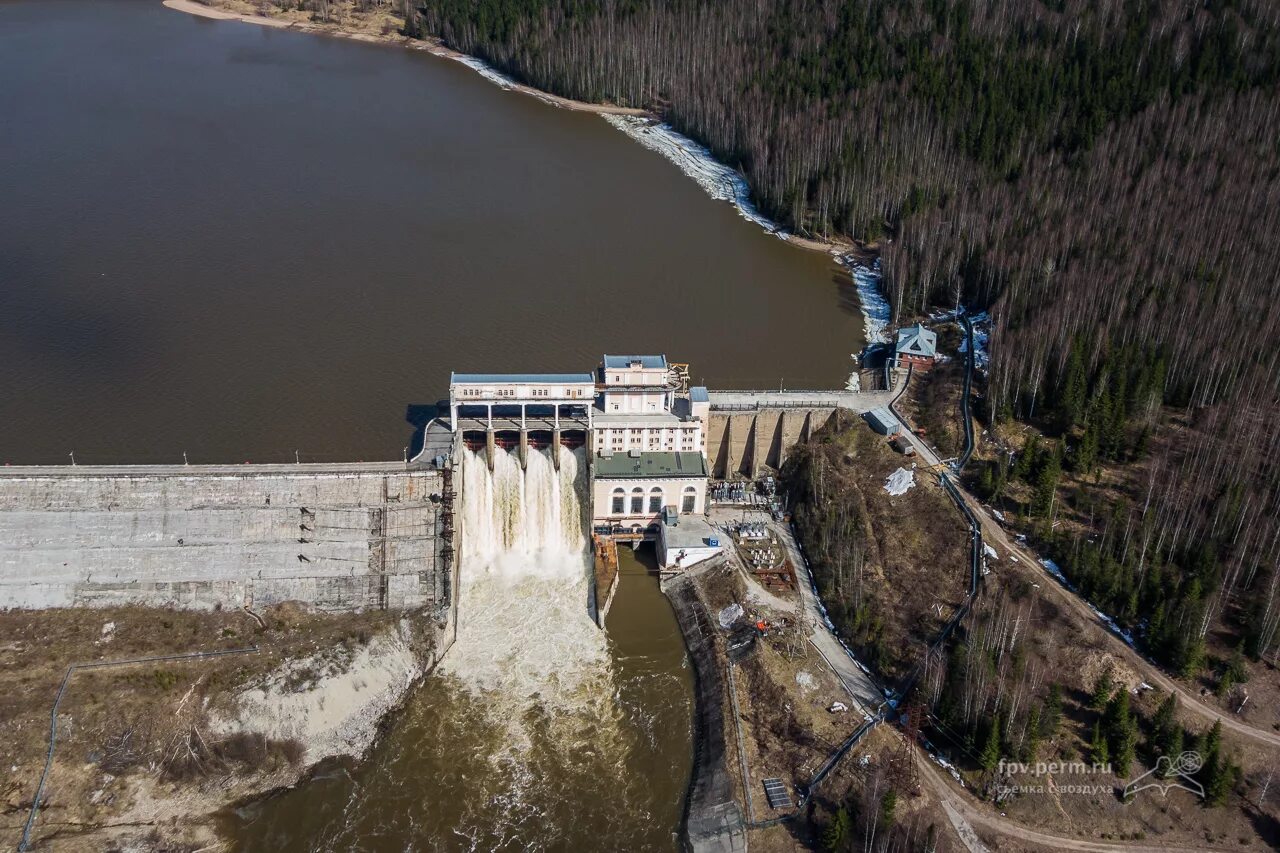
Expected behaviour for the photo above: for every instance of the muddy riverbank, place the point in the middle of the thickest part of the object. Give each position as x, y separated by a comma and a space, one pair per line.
151, 747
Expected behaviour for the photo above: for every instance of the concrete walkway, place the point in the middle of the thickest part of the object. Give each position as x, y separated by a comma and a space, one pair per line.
857, 682
854, 401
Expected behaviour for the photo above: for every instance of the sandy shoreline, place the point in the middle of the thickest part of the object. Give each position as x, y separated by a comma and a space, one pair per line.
435, 47
430, 45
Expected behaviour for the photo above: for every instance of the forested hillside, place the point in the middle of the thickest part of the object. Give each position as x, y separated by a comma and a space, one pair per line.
1104, 174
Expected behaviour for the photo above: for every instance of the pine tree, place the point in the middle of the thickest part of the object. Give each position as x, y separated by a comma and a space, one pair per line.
1046, 484
1121, 731
1071, 394
1051, 719
837, 831
1033, 733
991, 751
1101, 691
1218, 772
1173, 750
1098, 753
1165, 728
1192, 657
888, 807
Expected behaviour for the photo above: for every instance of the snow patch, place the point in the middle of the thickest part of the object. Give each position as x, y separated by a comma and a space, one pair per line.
806, 682
1052, 568
876, 314
981, 324
729, 615
486, 71
719, 181
989, 551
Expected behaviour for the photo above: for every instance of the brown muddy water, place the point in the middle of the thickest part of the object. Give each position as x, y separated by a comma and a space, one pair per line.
238, 242
243, 243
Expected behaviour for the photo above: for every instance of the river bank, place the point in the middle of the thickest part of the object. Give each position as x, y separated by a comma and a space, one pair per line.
151, 749
374, 30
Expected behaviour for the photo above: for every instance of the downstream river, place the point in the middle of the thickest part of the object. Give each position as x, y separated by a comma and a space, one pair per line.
242, 243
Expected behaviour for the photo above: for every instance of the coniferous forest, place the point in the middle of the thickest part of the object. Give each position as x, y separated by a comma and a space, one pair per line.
1103, 174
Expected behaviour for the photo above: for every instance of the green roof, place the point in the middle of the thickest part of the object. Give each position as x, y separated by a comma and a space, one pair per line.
622, 466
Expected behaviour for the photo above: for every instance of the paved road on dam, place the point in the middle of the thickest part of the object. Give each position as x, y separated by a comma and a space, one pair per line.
854, 401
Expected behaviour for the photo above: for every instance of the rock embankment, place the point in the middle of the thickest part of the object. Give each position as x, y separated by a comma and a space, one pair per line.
331, 705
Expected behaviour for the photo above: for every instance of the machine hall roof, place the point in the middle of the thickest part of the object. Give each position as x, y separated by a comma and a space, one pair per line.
651, 362
624, 466
523, 378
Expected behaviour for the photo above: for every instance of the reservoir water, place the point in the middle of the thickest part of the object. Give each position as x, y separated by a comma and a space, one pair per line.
241, 243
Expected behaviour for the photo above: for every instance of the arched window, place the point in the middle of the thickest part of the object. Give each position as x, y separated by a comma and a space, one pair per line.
619, 501
655, 499
637, 500
690, 499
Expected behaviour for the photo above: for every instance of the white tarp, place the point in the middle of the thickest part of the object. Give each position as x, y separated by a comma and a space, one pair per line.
730, 614
899, 481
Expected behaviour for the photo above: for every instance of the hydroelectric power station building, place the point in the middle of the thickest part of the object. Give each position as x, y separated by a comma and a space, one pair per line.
644, 429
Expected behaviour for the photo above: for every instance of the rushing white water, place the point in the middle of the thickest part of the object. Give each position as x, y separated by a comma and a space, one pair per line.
523, 627
538, 734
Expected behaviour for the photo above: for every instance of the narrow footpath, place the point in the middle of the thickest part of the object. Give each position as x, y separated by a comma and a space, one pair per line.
856, 681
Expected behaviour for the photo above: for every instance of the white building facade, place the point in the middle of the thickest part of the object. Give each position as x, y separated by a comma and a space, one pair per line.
650, 438
646, 431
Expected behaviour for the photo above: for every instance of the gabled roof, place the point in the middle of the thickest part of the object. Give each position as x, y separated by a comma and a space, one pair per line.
917, 340
651, 362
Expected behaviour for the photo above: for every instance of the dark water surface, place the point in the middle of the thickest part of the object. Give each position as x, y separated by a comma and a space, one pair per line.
240, 242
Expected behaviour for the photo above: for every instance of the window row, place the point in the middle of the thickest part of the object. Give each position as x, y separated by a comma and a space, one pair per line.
637, 500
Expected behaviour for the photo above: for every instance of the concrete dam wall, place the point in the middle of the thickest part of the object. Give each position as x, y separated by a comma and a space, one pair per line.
751, 432
335, 537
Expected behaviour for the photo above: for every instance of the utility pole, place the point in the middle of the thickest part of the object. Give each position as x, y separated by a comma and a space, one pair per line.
297, 460
72, 454
184, 458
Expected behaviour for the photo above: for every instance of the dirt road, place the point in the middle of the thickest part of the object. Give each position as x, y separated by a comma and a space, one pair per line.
992, 532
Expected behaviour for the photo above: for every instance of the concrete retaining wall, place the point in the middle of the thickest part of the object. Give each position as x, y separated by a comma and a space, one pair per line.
336, 537
713, 821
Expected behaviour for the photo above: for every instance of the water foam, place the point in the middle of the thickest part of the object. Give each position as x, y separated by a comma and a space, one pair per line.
525, 637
